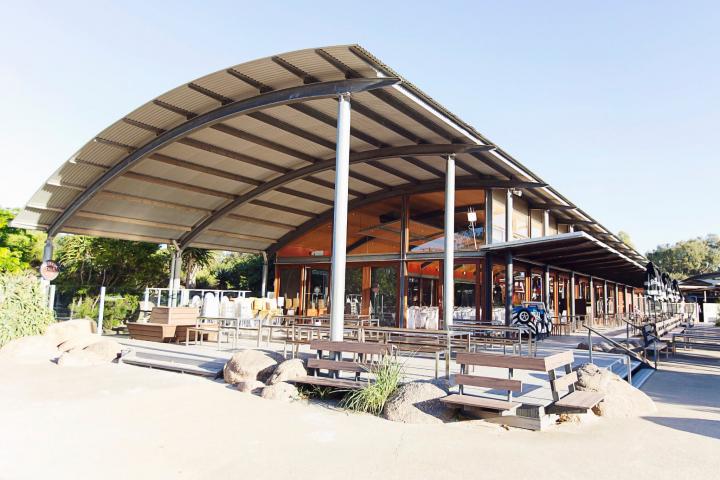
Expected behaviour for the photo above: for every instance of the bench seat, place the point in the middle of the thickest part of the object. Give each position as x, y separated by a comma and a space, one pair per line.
480, 402
342, 383
580, 400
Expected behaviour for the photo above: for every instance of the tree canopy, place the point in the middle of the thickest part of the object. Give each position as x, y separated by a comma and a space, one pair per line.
689, 257
19, 249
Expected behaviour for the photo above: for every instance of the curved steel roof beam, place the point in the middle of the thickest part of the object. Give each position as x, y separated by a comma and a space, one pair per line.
242, 107
355, 157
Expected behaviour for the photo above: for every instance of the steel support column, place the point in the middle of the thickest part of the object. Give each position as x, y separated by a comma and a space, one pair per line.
592, 302
488, 287
175, 283
605, 300
508, 214
546, 290
449, 270
48, 249
263, 292
572, 296
509, 287
339, 239
404, 245
488, 216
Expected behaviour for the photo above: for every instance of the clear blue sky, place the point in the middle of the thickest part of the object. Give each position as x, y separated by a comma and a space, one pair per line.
615, 103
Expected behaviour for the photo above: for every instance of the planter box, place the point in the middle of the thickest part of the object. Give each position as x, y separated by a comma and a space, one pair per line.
174, 315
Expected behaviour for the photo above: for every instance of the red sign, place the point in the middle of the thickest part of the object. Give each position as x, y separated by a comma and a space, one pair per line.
49, 270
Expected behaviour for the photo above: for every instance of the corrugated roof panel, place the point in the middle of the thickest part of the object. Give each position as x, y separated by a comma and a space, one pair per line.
156, 116
101, 153
249, 228
164, 193
477, 164
209, 237
122, 228
313, 64
257, 211
126, 208
372, 172
269, 73
188, 99
191, 177
312, 189
343, 53
327, 107
238, 145
227, 86
126, 134
408, 168
276, 135
292, 201
76, 174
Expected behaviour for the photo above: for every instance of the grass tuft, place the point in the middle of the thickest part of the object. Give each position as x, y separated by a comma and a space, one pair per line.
373, 397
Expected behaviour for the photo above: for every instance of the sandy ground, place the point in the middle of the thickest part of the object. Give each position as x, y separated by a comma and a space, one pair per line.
119, 421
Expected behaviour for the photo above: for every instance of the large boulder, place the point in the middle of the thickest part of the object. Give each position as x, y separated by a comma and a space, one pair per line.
106, 348
251, 386
419, 402
80, 358
30, 350
282, 391
288, 370
79, 342
63, 331
250, 365
622, 400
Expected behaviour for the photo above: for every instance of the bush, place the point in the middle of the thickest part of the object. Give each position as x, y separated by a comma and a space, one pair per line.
373, 397
119, 309
23, 307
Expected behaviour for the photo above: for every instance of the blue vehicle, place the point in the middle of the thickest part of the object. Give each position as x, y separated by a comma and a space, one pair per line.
533, 317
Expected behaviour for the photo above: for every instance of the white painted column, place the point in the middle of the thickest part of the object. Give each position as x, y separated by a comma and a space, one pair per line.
263, 287
101, 311
572, 295
339, 239
508, 214
175, 284
449, 266
546, 223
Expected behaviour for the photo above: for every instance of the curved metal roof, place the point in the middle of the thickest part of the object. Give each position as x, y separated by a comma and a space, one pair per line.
242, 158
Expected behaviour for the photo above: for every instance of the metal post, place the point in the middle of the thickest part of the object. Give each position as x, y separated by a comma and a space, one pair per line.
488, 216
48, 249
339, 238
508, 214
617, 301
146, 298
175, 284
404, 244
605, 302
546, 292
101, 311
572, 296
589, 342
51, 298
448, 280
509, 287
592, 302
263, 287
488, 288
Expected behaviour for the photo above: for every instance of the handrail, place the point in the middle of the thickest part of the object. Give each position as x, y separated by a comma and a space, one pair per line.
630, 353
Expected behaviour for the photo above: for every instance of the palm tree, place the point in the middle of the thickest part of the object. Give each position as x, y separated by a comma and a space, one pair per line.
194, 259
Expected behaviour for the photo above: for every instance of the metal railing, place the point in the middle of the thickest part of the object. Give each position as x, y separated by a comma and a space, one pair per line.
628, 353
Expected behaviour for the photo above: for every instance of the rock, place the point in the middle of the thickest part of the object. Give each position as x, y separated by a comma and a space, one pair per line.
106, 348
250, 365
282, 391
64, 331
80, 358
288, 370
79, 342
419, 402
251, 386
30, 350
622, 400
597, 346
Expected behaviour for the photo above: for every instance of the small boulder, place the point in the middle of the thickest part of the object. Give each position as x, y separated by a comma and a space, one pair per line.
597, 346
78, 342
419, 402
107, 349
63, 331
288, 370
251, 386
283, 391
250, 365
80, 358
30, 350
622, 400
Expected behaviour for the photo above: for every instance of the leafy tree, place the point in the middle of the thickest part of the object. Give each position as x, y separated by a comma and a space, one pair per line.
124, 266
193, 260
625, 238
688, 257
20, 249
241, 271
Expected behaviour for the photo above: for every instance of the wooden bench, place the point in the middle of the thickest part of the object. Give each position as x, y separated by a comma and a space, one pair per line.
363, 357
565, 396
153, 332
690, 339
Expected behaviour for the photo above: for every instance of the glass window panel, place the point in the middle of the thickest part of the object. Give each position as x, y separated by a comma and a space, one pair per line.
383, 295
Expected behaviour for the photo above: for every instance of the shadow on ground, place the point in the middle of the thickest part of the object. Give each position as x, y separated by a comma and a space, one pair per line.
698, 426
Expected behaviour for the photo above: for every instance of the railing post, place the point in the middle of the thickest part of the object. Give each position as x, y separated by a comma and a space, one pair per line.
590, 345
629, 369
101, 311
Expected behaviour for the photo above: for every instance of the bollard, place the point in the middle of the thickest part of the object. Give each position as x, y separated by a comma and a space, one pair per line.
101, 311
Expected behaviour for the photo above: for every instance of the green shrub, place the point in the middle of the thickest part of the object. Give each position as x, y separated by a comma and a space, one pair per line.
118, 309
23, 307
373, 397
